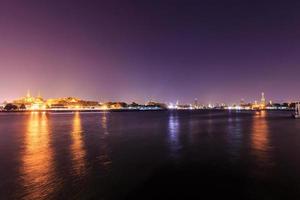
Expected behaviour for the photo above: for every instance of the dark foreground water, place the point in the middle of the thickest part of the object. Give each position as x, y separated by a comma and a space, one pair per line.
149, 155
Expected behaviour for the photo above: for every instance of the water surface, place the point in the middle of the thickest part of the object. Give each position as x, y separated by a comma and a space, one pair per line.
148, 155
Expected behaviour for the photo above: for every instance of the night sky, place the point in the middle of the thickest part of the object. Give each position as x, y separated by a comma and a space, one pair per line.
216, 51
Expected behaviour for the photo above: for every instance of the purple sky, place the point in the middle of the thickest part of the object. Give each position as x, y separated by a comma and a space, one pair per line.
163, 50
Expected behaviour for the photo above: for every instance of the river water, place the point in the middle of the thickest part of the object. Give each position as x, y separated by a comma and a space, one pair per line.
150, 155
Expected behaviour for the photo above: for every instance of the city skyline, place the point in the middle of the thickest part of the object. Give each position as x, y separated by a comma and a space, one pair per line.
69, 104
135, 51
261, 98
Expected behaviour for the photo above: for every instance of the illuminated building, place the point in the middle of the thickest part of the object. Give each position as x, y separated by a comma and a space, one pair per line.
30, 102
263, 99
196, 103
262, 105
70, 103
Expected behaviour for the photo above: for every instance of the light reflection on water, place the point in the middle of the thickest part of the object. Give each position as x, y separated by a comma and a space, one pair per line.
104, 159
104, 122
260, 143
234, 137
77, 146
37, 158
96, 155
173, 134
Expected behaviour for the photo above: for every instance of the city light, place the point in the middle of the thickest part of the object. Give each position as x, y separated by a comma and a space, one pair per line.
31, 103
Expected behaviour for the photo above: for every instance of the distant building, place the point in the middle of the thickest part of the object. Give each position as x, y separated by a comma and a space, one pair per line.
156, 105
30, 102
262, 104
263, 99
70, 102
115, 105
196, 105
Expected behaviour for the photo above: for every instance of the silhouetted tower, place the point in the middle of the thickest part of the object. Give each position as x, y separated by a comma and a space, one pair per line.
196, 103
263, 99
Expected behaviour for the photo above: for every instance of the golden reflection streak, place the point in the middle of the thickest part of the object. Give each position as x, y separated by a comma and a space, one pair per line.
260, 137
104, 159
37, 160
104, 122
77, 147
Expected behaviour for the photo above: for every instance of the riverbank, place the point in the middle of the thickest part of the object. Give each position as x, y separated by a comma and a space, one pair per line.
82, 110
136, 110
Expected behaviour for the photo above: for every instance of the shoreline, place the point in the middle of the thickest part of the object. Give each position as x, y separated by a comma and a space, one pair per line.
71, 111
136, 110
